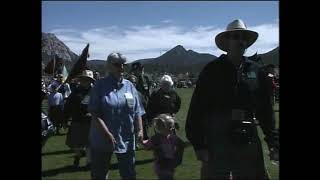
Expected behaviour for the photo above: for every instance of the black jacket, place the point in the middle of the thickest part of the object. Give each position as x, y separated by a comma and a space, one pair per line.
163, 102
215, 93
75, 106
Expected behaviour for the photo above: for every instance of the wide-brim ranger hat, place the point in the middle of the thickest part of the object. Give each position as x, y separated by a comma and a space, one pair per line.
222, 39
88, 74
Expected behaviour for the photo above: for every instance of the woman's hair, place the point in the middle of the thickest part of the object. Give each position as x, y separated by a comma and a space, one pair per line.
166, 79
163, 121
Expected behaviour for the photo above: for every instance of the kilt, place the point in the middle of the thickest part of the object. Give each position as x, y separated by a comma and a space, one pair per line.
78, 134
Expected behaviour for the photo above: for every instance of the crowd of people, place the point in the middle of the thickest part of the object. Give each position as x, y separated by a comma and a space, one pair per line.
111, 115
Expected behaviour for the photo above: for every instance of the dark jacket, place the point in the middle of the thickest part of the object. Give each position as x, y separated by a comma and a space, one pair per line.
215, 95
75, 107
163, 102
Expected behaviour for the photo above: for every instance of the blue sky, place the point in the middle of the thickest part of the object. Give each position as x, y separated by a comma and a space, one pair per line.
144, 29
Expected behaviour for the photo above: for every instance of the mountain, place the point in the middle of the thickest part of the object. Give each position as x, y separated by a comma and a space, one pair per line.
180, 60
97, 65
51, 45
177, 60
96, 62
271, 57
179, 56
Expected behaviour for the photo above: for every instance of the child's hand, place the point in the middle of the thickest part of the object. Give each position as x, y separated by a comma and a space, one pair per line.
147, 144
144, 142
274, 154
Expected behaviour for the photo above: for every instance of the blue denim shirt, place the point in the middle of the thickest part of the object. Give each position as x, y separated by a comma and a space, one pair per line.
119, 106
55, 99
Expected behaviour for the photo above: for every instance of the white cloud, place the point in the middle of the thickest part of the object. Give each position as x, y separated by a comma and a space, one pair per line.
64, 30
167, 21
149, 41
268, 38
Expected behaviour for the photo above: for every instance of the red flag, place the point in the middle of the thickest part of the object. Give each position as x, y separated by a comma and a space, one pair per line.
80, 65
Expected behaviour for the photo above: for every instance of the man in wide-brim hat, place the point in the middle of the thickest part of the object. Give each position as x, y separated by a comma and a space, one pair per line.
236, 30
220, 123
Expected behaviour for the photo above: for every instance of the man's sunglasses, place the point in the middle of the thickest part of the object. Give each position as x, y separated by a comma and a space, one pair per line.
118, 65
236, 36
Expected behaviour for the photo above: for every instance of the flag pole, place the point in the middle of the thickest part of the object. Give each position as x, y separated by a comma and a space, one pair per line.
54, 64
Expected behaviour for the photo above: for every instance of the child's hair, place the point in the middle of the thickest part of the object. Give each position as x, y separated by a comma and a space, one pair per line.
163, 121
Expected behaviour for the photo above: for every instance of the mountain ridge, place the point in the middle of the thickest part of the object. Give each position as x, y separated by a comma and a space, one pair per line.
176, 60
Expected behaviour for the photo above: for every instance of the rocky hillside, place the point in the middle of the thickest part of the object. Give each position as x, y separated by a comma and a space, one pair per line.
51, 46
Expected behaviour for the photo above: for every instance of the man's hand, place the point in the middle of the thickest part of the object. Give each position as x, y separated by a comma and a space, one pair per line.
274, 146
274, 154
112, 140
202, 155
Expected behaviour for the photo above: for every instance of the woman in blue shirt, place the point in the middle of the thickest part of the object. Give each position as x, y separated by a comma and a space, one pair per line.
116, 113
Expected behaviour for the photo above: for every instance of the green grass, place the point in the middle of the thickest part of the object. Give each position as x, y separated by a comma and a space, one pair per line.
57, 158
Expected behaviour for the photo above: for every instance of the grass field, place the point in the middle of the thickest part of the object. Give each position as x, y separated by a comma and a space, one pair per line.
57, 158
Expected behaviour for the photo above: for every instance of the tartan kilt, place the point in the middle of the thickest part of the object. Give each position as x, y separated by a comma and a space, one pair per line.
78, 135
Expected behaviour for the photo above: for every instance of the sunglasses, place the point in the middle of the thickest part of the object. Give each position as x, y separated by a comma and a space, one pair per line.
118, 65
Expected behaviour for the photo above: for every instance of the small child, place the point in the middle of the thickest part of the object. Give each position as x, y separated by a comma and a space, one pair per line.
168, 148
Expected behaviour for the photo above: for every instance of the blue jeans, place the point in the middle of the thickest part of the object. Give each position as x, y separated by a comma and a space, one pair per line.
100, 164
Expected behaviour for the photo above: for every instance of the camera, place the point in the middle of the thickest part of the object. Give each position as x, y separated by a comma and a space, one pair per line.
241, 132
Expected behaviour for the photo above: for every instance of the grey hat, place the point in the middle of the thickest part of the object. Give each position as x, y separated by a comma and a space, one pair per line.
235, 26
116, 58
